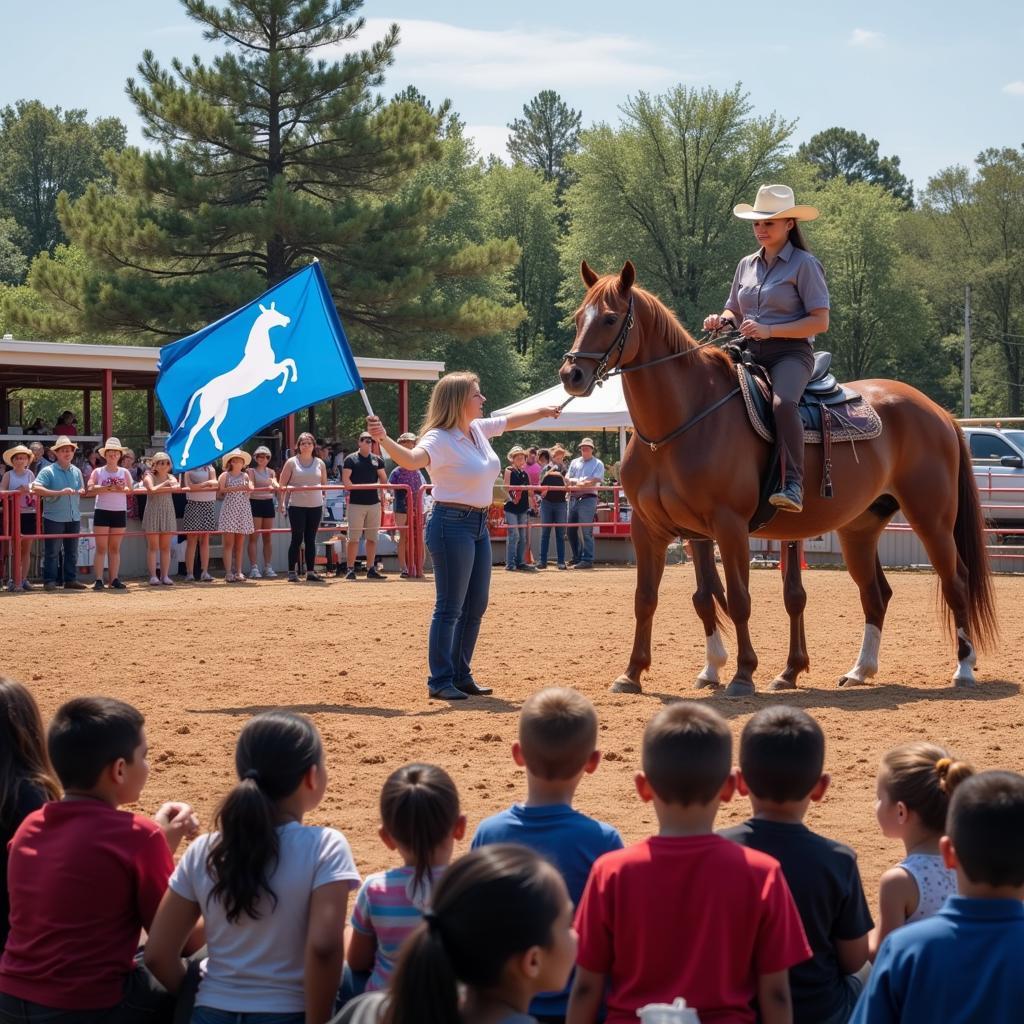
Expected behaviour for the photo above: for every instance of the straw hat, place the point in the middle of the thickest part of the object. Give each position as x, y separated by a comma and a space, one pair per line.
262, 450
63, 442
236, 453
159, 457
774, 202
113, 444
559, 449
407, 436
514, 451
589, 441
18, 449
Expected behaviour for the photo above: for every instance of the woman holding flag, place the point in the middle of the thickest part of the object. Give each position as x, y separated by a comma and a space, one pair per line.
455, 446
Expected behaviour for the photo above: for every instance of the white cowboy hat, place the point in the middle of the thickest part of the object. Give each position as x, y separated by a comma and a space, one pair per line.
514, 451
18, 449
236, 453
63, 442
113, 444
587, 441
774, 202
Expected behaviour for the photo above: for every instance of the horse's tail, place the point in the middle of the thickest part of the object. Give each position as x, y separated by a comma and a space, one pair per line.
969, 534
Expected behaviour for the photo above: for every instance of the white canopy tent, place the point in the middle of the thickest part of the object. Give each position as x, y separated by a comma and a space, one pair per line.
604, 409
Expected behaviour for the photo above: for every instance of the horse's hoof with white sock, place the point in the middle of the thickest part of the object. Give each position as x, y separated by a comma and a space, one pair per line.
708, 679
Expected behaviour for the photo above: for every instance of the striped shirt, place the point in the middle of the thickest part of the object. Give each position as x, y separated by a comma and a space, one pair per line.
387, 909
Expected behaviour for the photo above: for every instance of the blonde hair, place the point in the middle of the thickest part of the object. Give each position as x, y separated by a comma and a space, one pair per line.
448, 399
923, 777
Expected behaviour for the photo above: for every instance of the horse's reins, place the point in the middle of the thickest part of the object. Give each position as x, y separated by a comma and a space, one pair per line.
602, 373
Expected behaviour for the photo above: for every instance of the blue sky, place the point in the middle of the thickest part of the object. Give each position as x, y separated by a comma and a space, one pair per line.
934, 82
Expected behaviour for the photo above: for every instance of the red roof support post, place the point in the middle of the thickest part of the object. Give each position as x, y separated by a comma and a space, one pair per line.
289, 433
87, 411
403, 406
107, 415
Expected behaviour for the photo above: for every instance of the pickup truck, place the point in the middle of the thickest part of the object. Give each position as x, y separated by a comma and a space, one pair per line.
997, 456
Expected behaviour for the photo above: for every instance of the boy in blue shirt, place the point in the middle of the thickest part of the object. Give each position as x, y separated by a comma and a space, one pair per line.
557, 746
964, 963
782, 760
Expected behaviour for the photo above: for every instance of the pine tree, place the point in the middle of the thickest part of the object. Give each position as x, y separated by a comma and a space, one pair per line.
276, 153
545, 135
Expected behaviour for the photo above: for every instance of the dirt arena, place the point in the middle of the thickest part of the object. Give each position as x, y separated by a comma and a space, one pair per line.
198, 660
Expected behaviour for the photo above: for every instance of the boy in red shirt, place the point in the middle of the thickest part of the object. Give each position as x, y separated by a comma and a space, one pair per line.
85, 878
687, 913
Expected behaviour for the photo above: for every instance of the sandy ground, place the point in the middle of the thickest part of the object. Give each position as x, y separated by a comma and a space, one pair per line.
199, 660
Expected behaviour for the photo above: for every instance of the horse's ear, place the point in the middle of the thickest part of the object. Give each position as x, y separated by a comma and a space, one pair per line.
588, 275
627, 276
263, 308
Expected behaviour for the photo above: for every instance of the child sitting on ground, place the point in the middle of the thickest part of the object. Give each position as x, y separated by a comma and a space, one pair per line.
782, 755
500, 926
687, 913
420, 818
272, 891
85, 878
557, 747
963, 964
915, 783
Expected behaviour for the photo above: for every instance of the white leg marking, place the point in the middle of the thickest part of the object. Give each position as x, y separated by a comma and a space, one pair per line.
715, 658
964, 675
867, 660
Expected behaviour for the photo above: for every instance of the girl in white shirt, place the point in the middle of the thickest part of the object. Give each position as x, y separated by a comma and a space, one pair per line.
455, 445
110, 485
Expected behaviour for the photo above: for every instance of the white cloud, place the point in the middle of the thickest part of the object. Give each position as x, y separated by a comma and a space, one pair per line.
517, 59
489, 139
866, 38
1014, 88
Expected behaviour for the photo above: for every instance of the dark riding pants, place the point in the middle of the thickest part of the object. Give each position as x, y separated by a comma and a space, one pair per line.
790, 363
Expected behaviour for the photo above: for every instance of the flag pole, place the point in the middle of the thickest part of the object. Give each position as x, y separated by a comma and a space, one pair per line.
366, 402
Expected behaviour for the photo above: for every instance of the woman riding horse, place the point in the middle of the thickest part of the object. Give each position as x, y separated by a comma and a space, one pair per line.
779, 302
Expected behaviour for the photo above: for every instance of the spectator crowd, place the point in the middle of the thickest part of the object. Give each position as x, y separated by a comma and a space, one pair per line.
549, 917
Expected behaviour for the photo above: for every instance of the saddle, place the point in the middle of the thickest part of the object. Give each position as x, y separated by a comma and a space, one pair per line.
830, 411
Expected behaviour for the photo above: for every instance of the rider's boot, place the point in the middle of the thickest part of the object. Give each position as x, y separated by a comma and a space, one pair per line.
790, 433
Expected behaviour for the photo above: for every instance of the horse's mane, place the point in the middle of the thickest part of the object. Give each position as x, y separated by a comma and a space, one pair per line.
663, 322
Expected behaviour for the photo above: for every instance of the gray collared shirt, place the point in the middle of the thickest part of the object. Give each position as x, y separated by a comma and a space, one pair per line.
786, 291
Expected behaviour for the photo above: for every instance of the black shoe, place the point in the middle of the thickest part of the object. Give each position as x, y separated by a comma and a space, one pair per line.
118, 585
526, 568
339, 573
98, 585
293, 577
314, 577
583, 565
542, 565
403, 575
49, 586
447, 692
75, 585
474, 689
789, 499
350, 575
375, 574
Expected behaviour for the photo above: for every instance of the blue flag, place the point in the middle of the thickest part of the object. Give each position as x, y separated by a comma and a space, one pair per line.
283, 351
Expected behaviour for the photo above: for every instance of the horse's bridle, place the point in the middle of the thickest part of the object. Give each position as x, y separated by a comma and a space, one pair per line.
617, 346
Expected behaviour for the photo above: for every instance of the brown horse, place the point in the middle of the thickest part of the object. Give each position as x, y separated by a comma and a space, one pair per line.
705, 481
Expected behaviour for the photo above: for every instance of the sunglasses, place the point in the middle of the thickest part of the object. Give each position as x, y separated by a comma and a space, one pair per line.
366, 440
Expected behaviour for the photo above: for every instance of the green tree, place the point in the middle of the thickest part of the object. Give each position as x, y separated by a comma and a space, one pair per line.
660, 188
267, 158
842, 153
13, 263
520, 204
45, 151
977, 238
546, 135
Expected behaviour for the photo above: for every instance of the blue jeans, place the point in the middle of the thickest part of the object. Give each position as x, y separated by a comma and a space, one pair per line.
51, 547
582, 510
208, 1015
515, 543
553, 512
460, 549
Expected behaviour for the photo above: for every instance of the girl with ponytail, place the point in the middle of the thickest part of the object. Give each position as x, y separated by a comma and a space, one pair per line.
915, 783
500, 924
272, 891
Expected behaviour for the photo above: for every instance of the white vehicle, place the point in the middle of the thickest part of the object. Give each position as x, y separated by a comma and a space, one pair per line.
997, 455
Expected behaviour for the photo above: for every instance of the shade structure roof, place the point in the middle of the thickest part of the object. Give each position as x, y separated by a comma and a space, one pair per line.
604, 408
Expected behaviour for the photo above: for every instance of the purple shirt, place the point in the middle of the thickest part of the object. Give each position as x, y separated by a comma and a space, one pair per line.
786, 291
408, 477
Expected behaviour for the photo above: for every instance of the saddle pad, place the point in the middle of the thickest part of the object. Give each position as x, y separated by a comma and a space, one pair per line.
852, 420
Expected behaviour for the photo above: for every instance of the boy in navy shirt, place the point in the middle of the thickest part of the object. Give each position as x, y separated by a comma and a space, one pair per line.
782, 754
557, 746
964, 963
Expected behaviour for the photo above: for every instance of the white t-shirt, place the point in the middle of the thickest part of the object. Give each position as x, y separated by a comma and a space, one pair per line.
463, 468
256, 965
111, 501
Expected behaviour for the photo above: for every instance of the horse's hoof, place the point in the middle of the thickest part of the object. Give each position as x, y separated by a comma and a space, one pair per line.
781, 683
706, 683
739, 688
625, 685
847, 682
964, 683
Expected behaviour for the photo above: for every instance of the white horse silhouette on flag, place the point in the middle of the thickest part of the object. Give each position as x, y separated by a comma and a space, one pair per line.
258, 364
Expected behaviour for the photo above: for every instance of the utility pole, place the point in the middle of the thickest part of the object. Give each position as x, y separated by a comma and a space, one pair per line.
967, 353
